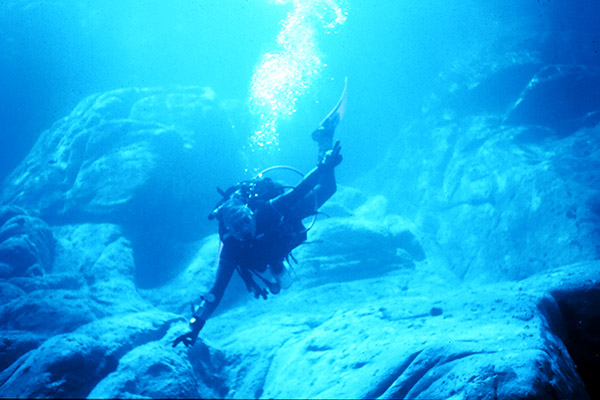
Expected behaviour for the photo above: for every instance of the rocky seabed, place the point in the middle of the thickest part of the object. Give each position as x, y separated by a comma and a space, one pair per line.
474, 276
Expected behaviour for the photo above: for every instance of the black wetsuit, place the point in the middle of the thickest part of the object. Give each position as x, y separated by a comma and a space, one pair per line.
279, 230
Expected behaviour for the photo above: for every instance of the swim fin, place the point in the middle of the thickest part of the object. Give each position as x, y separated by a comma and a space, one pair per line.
336, 115
323, 135
283, 277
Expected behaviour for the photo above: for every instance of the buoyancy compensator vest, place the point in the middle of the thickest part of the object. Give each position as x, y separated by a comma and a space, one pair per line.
277, 231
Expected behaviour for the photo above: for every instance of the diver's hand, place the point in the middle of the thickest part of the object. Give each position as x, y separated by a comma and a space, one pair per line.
189, 339
333, 158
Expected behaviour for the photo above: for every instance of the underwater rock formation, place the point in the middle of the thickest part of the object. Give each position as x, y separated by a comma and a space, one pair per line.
387, 299
563, 98
367, 244
123, 154
491, 205
405, 331
26, 244
71, 364
141, 158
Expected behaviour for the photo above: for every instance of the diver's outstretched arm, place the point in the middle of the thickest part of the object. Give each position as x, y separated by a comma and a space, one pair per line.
224, 272
209, 303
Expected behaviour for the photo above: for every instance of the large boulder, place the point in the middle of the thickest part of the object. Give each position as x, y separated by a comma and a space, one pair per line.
156, 370
406, 335
147, 159
502, 204
125, 153
489, 205
368, 243
93, 278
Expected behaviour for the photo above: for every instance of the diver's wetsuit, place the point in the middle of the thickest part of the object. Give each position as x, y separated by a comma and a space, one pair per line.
279, 230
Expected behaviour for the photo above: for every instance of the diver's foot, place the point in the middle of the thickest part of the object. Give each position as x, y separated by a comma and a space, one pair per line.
275, 288
323, 136
284, 279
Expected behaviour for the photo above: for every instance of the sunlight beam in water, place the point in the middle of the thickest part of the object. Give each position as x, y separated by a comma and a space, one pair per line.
287, 72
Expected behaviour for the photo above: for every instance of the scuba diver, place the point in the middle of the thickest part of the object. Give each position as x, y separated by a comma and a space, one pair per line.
260, 223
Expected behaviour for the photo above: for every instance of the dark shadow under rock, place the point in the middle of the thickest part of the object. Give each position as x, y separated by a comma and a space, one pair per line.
581, 330
71, 364
16, 343
561, 97
64, 366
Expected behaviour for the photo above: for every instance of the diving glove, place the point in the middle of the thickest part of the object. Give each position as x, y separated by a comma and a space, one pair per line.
189, 339
332, 158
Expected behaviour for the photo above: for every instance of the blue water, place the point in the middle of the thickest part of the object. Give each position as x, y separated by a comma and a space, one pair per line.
397, 54
470, 154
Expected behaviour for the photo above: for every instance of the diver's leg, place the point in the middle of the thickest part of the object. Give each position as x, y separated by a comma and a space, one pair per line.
314, 190
318, 196
326, 188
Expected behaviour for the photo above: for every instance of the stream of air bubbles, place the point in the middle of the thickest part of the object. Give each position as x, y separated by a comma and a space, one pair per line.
287, 71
